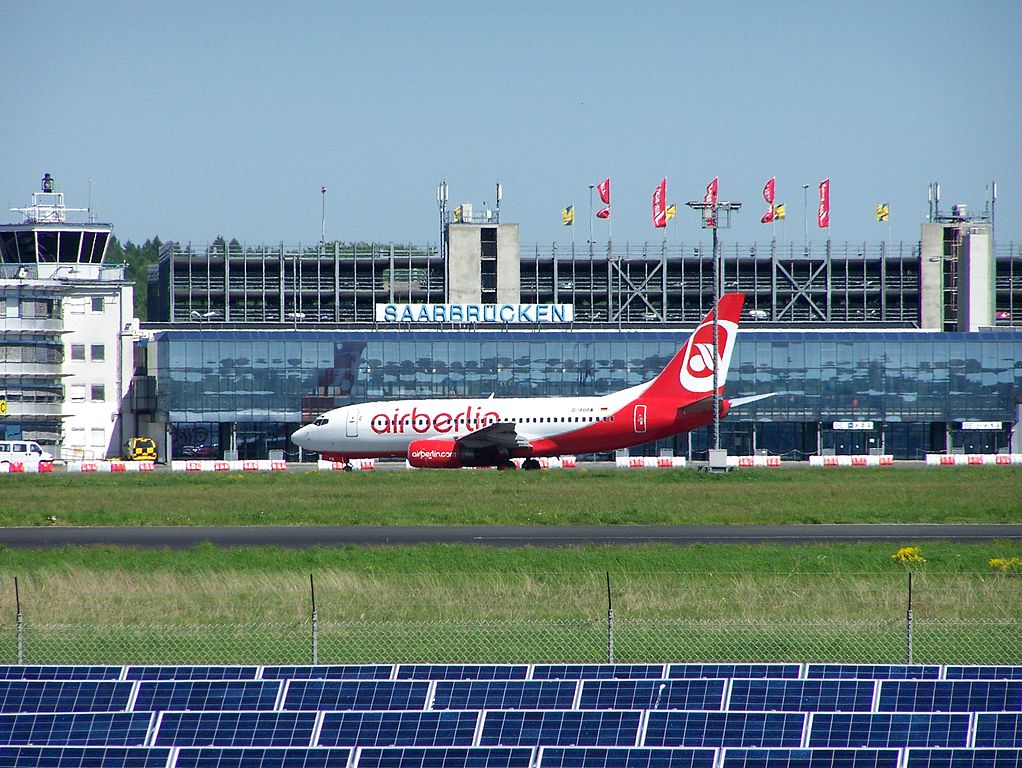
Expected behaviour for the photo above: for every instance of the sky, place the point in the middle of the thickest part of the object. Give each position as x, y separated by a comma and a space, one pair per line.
192, 120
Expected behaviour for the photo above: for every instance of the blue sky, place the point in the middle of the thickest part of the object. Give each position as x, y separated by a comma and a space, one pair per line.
199, 119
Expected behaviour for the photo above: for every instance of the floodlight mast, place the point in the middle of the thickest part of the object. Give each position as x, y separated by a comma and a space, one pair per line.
710, 213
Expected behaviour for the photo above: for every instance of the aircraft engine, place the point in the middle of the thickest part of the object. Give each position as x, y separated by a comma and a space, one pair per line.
434, 454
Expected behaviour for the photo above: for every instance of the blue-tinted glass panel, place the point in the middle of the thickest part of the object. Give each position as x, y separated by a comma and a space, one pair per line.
207, 695
122, 729
652, 694
54, 672
792, 671
398, 729
63, 695
983, 673
889, 730
83, 757
356, 694
999, 729
330, 672
598, 672
504, 694
583, 729
950, 696
236, 729
445, 757
802, 695
810, 758
874, 671
963, 758
191, 673
462, 672
724, 729
599, 757
255, 757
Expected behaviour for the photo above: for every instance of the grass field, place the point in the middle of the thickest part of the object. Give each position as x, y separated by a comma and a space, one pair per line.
802, 495
465, 603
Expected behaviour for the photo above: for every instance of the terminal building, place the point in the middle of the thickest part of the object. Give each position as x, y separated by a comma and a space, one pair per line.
872, 348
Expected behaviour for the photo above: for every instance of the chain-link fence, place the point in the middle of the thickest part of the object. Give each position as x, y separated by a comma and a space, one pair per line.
995, 641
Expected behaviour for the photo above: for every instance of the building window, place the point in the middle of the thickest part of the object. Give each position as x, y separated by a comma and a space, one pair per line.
97, 303
98, 393
77, 393
77, 351
98, 352
98, 438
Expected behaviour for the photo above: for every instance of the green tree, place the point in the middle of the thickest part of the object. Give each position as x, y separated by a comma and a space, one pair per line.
137, 260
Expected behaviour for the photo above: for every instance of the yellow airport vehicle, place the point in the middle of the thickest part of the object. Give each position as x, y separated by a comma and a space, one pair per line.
141, 449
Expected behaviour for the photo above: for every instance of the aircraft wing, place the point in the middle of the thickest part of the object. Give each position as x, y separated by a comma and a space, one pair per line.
501, 434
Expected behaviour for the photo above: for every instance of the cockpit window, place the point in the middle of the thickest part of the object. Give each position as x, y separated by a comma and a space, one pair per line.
321, 421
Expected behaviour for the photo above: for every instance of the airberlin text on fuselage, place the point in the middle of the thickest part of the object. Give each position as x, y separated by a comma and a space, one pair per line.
420, 422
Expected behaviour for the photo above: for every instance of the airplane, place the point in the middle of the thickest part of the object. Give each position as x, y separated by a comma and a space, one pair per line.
482, 432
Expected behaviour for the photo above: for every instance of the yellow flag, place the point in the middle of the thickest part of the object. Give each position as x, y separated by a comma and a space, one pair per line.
568, 215
779, 211
457, 215
672, 211
883, 212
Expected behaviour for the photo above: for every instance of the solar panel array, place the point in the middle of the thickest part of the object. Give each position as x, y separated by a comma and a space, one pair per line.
512, 716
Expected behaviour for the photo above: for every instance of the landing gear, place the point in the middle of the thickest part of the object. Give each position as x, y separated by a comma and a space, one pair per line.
530, 464
505, 464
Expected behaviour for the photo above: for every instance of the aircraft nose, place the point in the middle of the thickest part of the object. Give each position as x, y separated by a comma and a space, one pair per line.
301, 437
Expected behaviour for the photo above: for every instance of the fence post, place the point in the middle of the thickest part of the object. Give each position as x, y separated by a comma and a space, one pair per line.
908, 623
20, 624
315, 622
610, 624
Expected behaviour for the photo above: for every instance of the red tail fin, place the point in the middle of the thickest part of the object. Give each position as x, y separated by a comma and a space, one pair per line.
689, 375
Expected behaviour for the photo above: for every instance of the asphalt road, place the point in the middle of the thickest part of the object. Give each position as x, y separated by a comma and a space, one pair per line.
300, 537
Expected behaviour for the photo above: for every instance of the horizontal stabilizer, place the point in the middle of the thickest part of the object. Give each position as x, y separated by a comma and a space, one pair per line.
739, 401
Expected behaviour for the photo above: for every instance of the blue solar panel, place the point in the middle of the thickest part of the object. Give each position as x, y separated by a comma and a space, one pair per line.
83, 757
810, 758
504, 694
724, 729
950, 696
399, 729
999, 729
598, 672
789, 671
802, 695
618, 757
356, 694
191, 673
652, 694
561, 728
64, 695
983, 673
235, 729
963, 758
58, 672
114, 729
256, 757
462, 672
445, 757
330, 672
207, 695
874, 671
889, 730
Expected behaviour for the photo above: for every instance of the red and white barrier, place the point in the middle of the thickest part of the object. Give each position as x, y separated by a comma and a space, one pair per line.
111, 466
754, 461
19, 467
972, 459
551, 462
244, 465
852, 461
650, 462
336, 466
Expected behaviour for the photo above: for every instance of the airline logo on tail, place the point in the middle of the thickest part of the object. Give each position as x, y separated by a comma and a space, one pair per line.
697, 369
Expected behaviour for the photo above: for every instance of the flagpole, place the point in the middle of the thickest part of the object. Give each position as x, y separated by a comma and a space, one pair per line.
591, 220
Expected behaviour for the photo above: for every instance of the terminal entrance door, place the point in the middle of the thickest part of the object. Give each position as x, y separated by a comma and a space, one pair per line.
850, 442
351, 427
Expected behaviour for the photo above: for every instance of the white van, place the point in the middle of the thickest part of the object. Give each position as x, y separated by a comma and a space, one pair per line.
27, 453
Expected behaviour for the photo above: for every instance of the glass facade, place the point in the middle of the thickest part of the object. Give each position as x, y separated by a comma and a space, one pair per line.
256, 387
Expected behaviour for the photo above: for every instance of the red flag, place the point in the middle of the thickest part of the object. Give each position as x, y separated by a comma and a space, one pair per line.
823, 214
604, 189
768, 191
711, 192
768, 216
603, 213
659, 206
